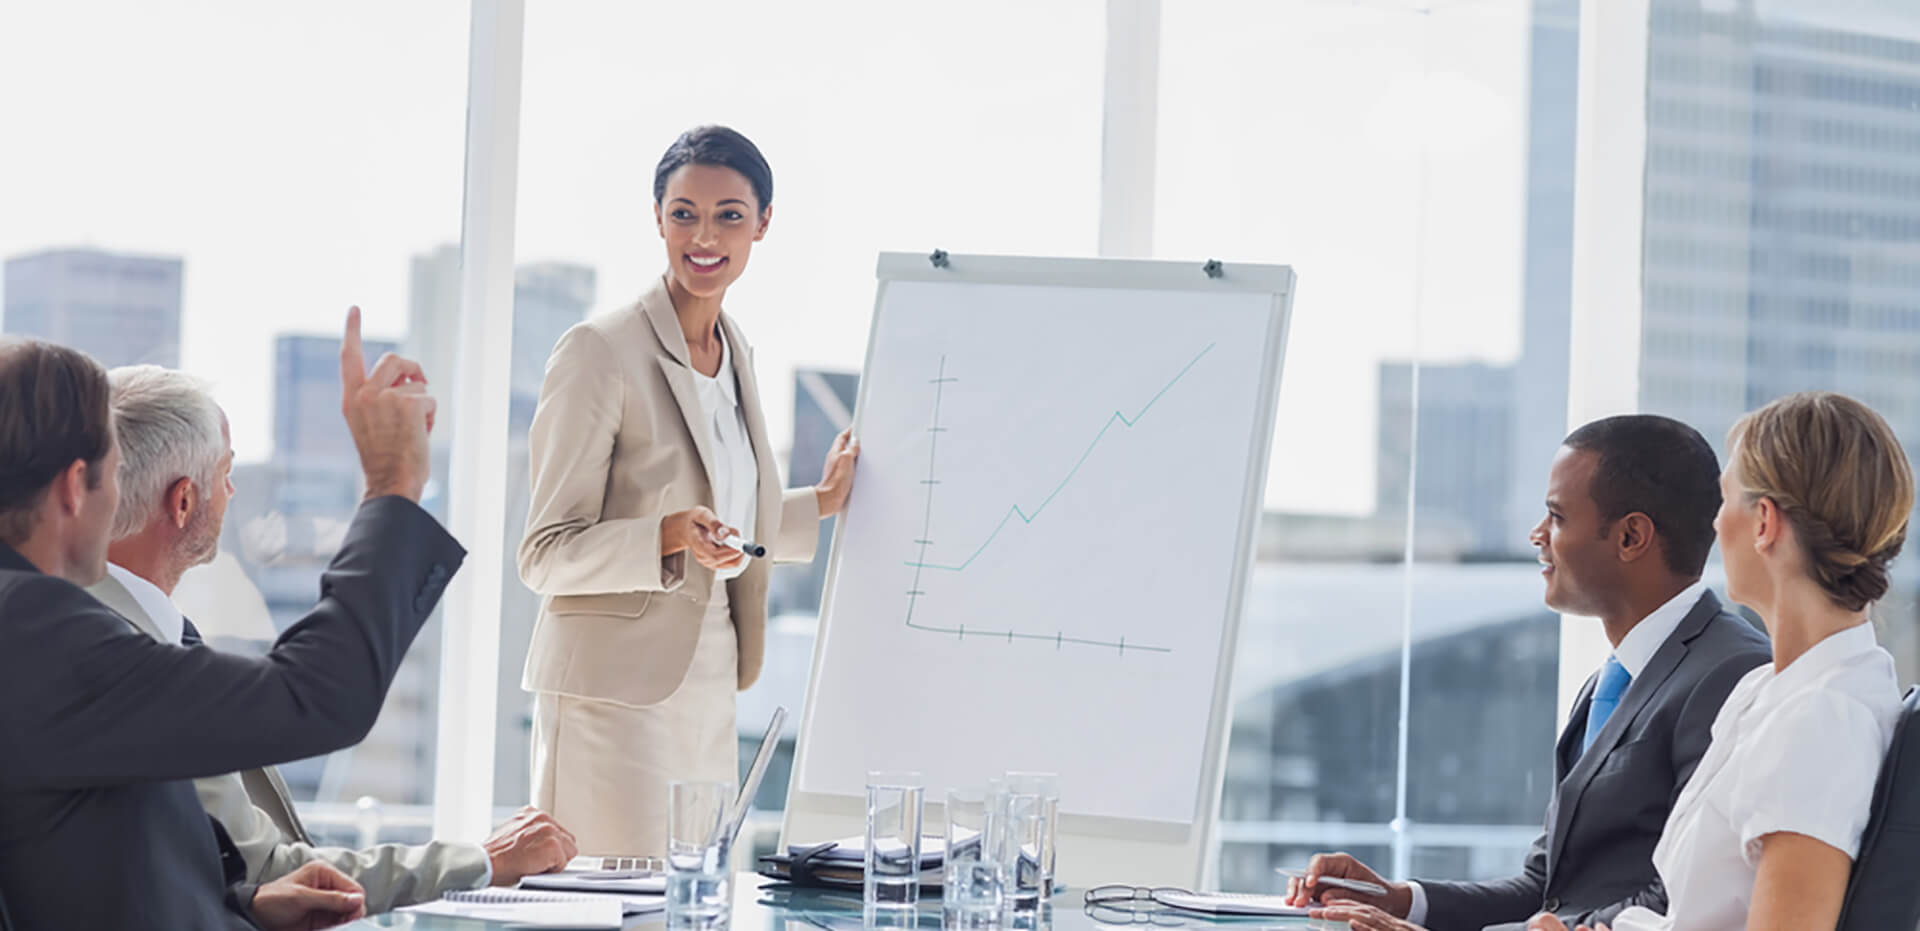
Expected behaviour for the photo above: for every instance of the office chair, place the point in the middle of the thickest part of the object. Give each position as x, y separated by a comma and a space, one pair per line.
1882, 894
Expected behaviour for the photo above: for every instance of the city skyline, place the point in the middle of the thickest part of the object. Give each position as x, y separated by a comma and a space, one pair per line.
341, 177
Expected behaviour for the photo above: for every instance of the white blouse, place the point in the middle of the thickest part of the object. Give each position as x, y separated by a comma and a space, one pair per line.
1798, 752
736, 473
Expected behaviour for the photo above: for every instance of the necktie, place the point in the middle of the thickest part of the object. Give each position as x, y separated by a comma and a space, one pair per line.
1606, 697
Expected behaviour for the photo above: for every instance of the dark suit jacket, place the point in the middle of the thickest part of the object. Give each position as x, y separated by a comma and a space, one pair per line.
102, 727
1606, 815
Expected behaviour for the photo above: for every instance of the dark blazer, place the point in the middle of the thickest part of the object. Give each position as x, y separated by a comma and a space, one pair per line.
1596, 856
102, 727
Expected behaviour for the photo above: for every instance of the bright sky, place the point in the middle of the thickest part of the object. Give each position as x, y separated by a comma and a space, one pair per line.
298, 155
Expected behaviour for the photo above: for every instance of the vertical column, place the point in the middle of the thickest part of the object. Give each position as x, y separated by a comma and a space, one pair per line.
1128, 131
1603, 371
470, 653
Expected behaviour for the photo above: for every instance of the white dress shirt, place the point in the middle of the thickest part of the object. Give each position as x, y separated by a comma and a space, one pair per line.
736, 473
1635, 651
1796, 752
152, 600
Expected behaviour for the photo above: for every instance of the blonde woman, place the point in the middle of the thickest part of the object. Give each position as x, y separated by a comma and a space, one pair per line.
1817, 493
649, 450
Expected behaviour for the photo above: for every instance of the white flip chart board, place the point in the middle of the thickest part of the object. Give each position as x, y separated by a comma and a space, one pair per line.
1044, 557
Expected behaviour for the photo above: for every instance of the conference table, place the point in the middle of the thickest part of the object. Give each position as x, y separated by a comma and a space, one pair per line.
767, 905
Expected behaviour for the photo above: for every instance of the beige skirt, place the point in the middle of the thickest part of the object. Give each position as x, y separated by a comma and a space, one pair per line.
601, 768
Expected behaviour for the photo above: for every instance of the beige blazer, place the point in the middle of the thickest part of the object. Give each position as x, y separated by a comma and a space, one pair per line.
619, 442
257, 811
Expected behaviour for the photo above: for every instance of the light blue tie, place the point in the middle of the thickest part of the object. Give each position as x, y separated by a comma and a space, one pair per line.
1606, 697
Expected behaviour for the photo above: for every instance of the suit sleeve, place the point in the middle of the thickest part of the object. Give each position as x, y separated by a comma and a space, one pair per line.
393, 875
1478, 904
1692, 732
799, 534
87, 701
569, 549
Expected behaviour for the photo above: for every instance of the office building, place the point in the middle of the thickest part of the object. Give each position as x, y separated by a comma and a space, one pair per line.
1464, 460
1782, 220
120, 309
307, 428
1474, 416
1782, 209
548, 297
1540, 374
822, 407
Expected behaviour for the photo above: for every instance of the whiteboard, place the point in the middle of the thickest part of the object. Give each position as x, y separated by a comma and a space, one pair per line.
1042, 562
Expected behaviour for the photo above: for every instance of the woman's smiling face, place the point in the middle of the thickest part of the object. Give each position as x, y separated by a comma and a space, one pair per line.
710, 220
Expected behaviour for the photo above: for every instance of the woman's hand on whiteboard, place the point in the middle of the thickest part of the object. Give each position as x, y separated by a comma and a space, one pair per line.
699, 531
837, 475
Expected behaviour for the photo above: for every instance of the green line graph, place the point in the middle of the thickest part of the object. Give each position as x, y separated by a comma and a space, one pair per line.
1015, 510
920, 563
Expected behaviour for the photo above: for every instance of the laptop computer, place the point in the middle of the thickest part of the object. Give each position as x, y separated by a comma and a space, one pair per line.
638, 867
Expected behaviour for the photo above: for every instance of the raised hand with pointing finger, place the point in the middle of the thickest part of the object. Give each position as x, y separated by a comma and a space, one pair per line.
389, 413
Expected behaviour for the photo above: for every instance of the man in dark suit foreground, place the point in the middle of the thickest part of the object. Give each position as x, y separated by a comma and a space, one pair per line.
1629, 524
102, 727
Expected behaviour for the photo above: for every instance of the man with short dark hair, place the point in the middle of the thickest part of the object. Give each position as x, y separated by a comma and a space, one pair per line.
1629, 524
101, 726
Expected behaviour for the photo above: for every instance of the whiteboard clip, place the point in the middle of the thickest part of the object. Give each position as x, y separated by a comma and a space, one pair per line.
1214, 269
939, 258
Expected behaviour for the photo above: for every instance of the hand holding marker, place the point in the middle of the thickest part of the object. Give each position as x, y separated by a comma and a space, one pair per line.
745, 546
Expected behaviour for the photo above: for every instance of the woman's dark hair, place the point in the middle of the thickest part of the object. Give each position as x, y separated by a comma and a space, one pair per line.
716, 145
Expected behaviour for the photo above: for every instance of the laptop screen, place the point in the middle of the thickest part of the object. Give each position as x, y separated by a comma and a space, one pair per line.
755, 774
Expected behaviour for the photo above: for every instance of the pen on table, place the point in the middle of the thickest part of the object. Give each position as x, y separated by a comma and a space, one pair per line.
1356, 885
745, 546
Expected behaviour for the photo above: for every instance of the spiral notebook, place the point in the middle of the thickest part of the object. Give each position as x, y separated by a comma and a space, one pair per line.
536, 909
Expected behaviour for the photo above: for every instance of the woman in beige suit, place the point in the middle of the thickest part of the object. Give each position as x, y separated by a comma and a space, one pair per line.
648, 450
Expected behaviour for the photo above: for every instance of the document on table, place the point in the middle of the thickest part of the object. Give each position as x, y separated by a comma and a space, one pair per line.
531, 909
1231, 903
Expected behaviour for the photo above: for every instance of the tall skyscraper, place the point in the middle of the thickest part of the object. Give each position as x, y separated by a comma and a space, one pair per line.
1462, 470
1782, 207
120, 309
822, 407
1539, 382
1781, 213
286, 525
307, 429
548, 297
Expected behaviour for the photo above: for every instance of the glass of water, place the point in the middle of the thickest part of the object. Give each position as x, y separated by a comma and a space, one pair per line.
698, 867
972, 884
894, 801
1045, 786
1016, 825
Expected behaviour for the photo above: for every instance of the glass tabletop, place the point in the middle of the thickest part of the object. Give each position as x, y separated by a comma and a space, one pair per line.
766, 905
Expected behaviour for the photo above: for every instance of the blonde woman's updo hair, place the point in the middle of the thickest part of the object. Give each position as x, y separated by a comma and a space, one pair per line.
1836, 471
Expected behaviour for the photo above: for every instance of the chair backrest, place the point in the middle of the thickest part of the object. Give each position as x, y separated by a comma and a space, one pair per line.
1884, 892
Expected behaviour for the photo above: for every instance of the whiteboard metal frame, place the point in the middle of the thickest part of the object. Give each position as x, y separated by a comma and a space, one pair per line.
1093, 849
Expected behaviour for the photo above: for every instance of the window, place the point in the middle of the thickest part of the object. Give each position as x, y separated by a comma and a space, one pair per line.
209, 186
1379, 151
1824, 167
922, 129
